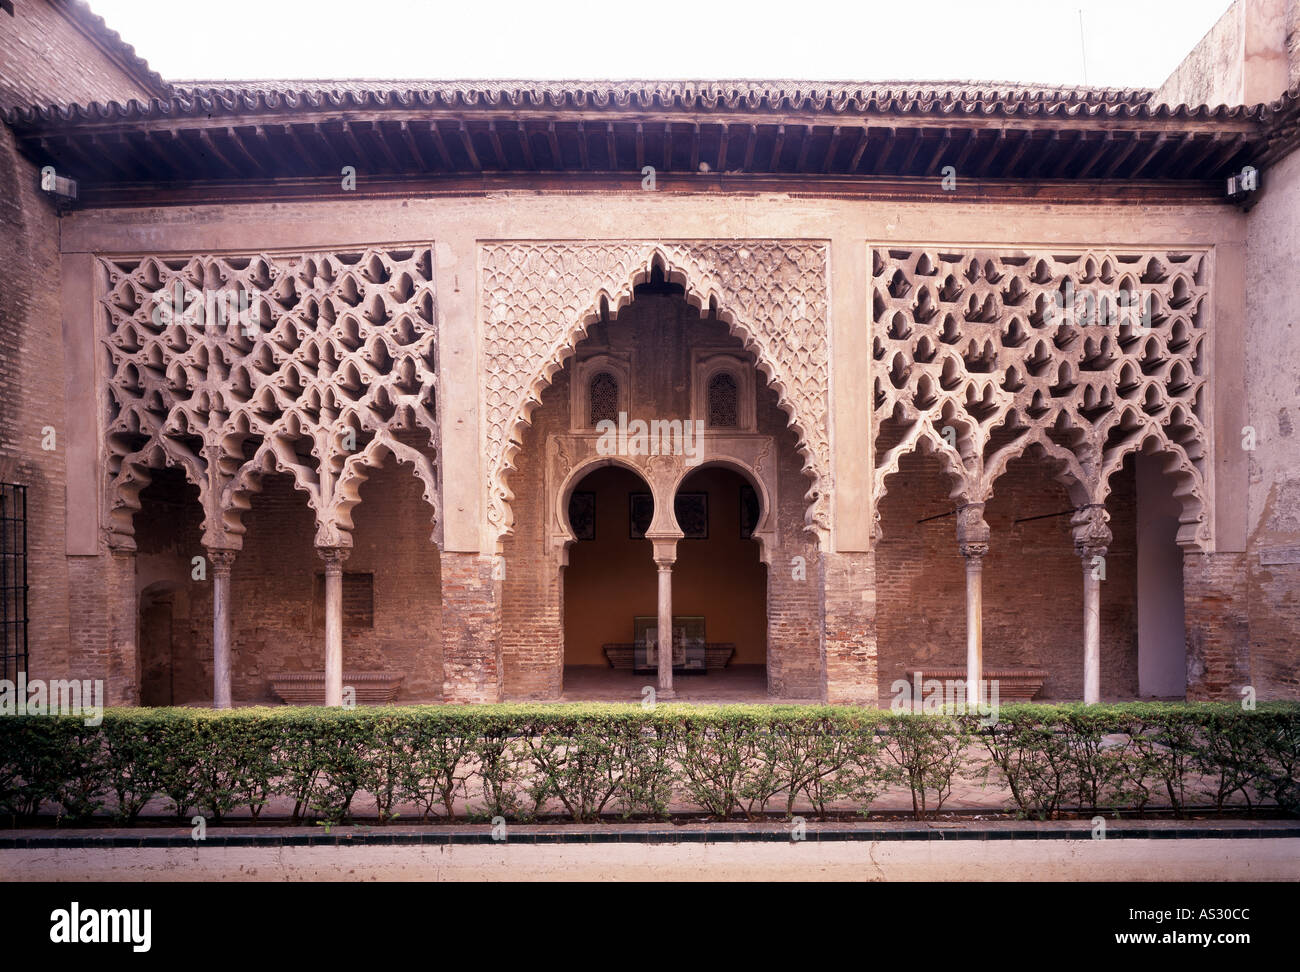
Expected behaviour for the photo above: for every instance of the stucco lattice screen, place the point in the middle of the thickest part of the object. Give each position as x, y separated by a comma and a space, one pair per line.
230, 367
540, 298
981, 355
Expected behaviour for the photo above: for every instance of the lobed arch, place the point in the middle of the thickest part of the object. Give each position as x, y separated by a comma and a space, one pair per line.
540, 299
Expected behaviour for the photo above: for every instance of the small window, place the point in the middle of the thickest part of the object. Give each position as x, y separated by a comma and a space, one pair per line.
724, 409
358, 600
603, 398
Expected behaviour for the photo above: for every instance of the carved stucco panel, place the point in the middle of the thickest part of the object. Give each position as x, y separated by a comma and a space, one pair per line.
539, 298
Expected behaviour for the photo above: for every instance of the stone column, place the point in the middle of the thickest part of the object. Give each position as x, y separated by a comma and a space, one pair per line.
665, 557
1092, 537
222, 561
333, 557
973, 541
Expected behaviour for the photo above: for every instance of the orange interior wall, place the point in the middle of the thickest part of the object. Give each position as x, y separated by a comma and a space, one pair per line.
612, 579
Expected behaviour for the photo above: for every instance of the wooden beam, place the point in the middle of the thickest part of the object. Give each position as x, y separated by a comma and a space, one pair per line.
1069, 155
1156, 146
412, 149
911, 151
777, 146
611, 147
353, 145
724, 143
557, 160
668, 147
526, 145
695, 147
750, 144
583, 148
640, 147
377, 134
801, 163
1107, 141
864, 136
467, 143
832, 148
441, 146
1021, 147
944, 141
210, 147
1120, 156
495, 138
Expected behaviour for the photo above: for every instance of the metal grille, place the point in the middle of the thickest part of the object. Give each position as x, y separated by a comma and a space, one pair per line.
604, 398
723, 401
13, 580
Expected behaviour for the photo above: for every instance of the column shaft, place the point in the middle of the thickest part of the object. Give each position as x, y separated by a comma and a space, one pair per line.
222, 561
333, 557
665, 631
974, 628
1091, 635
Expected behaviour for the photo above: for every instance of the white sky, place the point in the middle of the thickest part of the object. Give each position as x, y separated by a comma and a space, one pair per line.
1129, 43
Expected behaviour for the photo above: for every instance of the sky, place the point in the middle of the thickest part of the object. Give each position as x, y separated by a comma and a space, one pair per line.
1123, 43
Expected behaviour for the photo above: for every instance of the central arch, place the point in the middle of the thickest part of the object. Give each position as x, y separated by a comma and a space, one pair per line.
540, 300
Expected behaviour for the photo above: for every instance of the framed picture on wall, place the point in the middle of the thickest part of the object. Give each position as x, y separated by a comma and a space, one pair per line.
692, 511
641, 510
582, 515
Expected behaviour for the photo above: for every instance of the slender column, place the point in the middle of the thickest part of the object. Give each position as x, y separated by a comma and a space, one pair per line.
973, 541
222, 561
665, 690
1092, 537
333, 557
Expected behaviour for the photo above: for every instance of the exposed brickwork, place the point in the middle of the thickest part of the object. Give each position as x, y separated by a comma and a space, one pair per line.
1032, 582
849, 582
46, 60
31, 398
471, 629
1218, 640
278, 623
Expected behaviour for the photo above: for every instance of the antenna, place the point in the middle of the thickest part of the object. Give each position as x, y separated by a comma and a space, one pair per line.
1083, 49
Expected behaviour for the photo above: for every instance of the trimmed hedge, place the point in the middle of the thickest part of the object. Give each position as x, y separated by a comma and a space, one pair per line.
589, 761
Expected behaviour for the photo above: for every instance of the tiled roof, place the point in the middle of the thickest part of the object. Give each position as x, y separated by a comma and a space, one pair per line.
112, 43
842, 98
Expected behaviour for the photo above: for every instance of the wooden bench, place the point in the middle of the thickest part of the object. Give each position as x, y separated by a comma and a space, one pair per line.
718, 654
308, 688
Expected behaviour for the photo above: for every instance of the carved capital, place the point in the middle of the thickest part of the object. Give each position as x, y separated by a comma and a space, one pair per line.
972, 531
334, 557
222, 560
1092, 535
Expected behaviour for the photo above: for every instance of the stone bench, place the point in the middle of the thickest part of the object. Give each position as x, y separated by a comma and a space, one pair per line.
1014, 684
717, 655
308, 688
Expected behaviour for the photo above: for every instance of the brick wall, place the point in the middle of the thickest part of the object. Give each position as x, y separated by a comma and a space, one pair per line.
1032, 582
278, 616
31, 398
46, 60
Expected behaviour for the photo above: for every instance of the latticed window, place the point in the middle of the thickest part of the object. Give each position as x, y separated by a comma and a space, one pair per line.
724, 409
13, 580
604, 398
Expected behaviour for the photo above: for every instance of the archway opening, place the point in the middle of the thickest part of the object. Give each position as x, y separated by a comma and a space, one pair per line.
610, 582
719, 580
175, 666
1162, 645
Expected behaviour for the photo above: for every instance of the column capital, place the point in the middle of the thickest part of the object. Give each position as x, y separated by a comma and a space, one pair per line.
221, 558
972, 531
1092, 536
665, 550
334, 557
